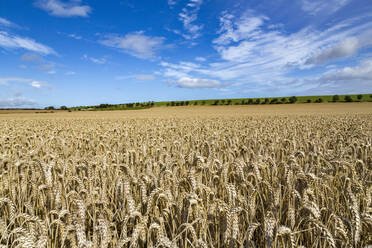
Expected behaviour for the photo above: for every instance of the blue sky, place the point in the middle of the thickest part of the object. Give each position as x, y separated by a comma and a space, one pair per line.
75, 52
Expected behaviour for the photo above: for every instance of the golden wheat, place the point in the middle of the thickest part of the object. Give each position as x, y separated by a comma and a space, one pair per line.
236, 181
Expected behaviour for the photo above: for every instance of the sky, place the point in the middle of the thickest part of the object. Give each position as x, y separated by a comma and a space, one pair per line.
81, 52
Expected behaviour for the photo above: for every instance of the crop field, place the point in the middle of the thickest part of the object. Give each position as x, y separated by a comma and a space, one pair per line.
198, 176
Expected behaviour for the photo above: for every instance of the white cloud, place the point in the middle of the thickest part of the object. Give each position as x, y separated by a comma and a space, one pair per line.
345, 48
5, 81
99, 61
6, 23
314, 7
187, 82
261, 58
363, 71
16, 42
75, 36
36, 84
136, 44
32, 83
16, 102
171, 2
70, 73
245, 27
200, 59
189, 15
64, 9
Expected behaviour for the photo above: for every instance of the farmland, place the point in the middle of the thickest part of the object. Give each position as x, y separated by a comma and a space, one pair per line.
194, 176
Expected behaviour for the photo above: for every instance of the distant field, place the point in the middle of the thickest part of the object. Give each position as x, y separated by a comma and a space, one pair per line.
26, 111
231, 111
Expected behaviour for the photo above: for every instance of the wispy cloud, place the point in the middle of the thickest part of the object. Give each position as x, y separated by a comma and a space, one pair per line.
70, 73
145, 77
138, 77
200, 59
30, 82
16, 102
188, 16
99, 61
171, 2
314, 7
345, 48
253, 55
187, 82
136, 44
75, 36
10, 41
6, 23
64, 9
32, 57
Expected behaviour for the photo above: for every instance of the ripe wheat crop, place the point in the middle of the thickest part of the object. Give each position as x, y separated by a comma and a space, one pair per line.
260, 181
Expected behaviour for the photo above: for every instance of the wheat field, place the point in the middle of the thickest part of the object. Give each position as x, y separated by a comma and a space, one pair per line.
214, 176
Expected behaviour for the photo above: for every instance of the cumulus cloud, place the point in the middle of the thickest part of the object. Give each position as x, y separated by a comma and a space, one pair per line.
10, 41
64, 9
314, 7
16, 102
136, 44
187, 82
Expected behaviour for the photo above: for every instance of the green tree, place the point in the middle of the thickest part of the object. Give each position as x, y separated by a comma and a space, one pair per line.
258, 101
203, 103
308, 101
266, 101
49, 108
250, 101
229, 102
274, 100
196, 103
336, 98
359, 97
293, 99
216, 102
348, 98
63, 108
284, 100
